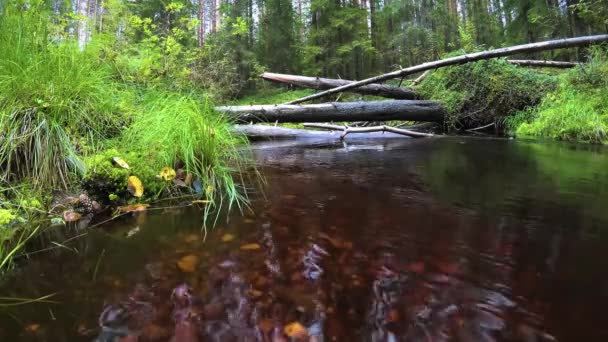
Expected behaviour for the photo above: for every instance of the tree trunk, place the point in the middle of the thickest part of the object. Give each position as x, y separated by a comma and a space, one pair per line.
338, 111
471, 57
328, 83
538, 63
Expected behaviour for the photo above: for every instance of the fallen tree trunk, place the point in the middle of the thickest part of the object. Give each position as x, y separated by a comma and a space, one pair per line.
411, 110
348, 130
255, 132
328, 83
546, 64
470, 57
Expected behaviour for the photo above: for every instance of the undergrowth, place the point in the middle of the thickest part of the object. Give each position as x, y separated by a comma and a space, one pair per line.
484, 92
63, 110
54, 102
576, 111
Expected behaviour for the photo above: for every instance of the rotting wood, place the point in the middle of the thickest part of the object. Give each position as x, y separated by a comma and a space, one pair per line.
546, 64
406, 110
462, 59
319, 83
348, 130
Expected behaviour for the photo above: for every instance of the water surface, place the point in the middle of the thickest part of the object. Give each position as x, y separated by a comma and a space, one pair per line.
374, 240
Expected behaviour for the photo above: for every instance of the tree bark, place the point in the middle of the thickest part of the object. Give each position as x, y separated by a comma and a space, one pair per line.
348, 130
471, 57
538, 63
410, 110
328, 83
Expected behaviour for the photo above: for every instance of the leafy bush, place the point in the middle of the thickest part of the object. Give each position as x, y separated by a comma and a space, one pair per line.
484, 92
576, 111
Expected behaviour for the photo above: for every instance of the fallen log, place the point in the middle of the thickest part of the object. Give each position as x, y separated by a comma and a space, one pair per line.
545, 64
470, 57
410, 110
348, 130
256, 132
328, 83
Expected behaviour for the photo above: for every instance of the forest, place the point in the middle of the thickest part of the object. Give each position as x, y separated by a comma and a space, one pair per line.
109, 105
137, 204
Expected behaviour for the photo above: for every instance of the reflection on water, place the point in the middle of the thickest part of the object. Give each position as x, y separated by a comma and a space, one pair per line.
394, 240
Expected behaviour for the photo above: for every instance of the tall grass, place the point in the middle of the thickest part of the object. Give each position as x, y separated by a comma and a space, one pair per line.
576, 111
178, 129
54, 100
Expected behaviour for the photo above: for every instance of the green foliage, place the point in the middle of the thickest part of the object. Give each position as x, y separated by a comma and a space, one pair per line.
483, 92
55, 101
576, 111
175, 129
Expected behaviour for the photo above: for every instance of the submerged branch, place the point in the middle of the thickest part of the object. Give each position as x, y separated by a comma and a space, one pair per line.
348, 130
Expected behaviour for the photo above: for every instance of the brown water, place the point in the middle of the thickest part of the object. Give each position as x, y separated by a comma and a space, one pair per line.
379, 240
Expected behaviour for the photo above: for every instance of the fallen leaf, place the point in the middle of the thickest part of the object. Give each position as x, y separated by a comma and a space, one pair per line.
227, 238
295, 330
188, 263
135, 186
133, 208
188, 179
250, 247
71, 216
32, 328
120, 162
179, 182
167, 173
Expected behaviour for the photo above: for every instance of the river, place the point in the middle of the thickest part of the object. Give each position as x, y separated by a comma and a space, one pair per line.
449, 239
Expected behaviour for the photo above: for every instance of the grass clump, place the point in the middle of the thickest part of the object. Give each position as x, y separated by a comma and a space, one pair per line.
186, 131
484, 92
54, 101
576, 111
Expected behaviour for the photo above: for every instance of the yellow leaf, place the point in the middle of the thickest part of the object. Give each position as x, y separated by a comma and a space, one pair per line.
120, 162
135, 186
167, 173
295, 330
188, 263
200, 201
133, 207
227, 237
250, 247
209, 189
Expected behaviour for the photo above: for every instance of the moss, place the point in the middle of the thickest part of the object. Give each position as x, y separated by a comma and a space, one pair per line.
485, 92
575, 111
109, 181
7, 217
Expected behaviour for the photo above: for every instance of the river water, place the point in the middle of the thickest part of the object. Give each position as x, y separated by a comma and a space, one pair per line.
445, 239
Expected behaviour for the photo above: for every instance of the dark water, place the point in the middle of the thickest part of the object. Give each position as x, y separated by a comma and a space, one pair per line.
394, 240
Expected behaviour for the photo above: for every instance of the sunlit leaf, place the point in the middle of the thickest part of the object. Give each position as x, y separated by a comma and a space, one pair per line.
120, 162
200, 201
167, 173
295, 330
135, 186
133, 207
